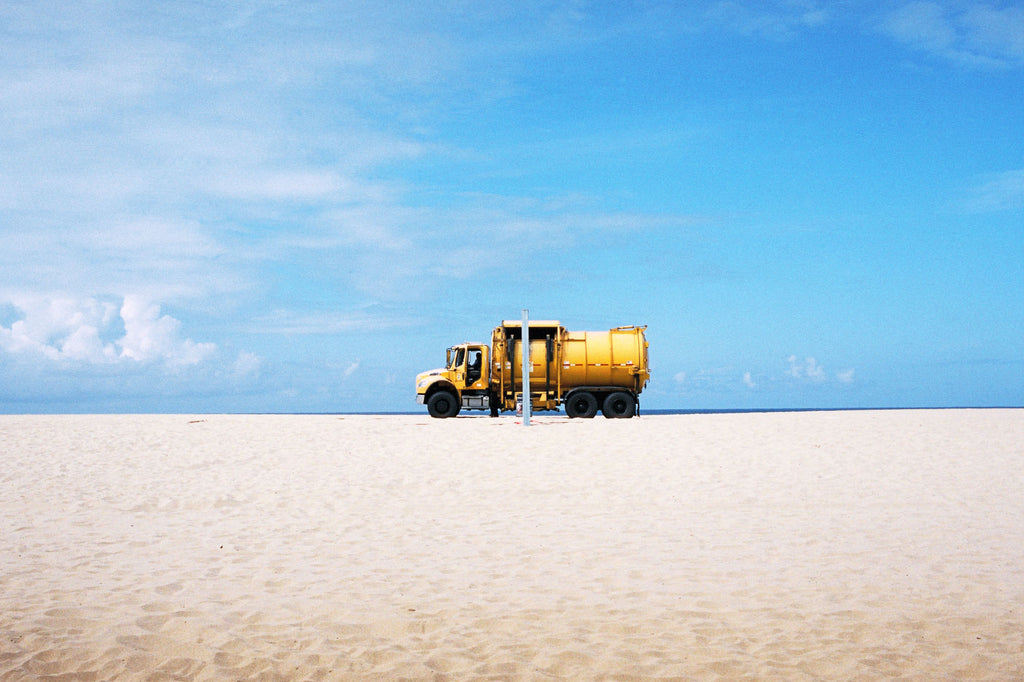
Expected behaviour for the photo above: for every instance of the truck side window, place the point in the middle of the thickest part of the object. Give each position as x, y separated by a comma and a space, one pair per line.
473, 373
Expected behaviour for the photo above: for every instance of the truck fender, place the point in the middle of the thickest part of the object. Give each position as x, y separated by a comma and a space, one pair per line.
441, 385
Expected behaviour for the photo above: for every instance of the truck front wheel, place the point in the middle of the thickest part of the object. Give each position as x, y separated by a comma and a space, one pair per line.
619, 405
442, 405
581, 404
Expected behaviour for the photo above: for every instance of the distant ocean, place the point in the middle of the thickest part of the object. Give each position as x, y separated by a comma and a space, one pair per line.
756, 410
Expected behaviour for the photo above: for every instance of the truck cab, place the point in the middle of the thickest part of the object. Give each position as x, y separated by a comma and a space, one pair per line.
462, 383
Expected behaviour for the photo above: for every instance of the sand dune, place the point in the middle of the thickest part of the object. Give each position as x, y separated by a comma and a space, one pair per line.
830, 545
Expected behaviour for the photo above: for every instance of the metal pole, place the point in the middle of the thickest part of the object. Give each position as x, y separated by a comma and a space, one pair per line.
526, 367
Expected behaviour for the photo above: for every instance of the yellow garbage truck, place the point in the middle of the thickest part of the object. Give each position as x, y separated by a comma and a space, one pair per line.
582, 371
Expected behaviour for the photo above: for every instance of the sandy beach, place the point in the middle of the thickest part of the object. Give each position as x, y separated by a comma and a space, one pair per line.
787, 546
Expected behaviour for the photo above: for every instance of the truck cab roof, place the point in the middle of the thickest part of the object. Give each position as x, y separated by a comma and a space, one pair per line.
533, 323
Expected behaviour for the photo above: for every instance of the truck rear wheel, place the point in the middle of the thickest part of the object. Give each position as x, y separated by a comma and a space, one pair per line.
581, 404
442, 405
619, 405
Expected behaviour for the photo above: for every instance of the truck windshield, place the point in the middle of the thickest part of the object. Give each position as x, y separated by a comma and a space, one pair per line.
457, 358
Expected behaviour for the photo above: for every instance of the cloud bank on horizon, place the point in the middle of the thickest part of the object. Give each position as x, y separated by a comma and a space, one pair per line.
295, 208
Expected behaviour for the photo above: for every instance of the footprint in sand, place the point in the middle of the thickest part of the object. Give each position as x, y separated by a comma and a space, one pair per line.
170, 588
152, 623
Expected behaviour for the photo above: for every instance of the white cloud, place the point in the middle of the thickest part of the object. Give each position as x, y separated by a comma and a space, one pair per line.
330, 322
350, 370
775, 21
923, 25
161, 259
247, 364
208, 198
89, 331
998, 192
296, 185
680, 377
996, 30
129, 146
150, 336
807, 368
749, 380
977, 35
60, 329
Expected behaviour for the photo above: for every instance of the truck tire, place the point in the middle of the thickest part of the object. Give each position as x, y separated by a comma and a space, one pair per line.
581, 404
443, 405
619, 405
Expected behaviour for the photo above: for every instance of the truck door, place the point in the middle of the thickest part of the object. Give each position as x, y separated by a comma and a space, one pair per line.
457, 366
473, 366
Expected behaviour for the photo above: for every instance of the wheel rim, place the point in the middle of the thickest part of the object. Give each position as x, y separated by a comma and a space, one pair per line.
582, 405
619, 406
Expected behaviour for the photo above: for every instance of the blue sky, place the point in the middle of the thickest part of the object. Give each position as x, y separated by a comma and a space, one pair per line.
294, 207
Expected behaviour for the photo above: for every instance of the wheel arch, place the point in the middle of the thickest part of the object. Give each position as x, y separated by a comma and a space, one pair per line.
441, 385
600, 392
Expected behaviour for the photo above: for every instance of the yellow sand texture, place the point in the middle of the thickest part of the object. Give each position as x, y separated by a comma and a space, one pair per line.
799, 546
